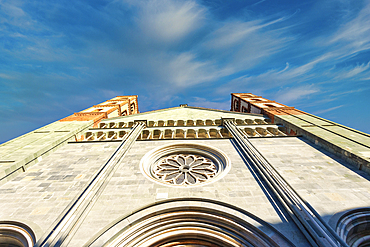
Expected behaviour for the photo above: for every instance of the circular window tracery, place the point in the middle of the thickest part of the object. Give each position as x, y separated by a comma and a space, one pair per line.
185, 169
185, 164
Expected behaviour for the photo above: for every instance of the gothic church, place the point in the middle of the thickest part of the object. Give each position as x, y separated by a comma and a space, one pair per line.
261, 174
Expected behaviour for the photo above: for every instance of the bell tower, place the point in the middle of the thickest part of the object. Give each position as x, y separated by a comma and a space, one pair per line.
329, 135
250, 103
118, 106
33, 146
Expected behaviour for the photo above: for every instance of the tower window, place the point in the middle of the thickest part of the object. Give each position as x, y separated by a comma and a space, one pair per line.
236, 104
270, 105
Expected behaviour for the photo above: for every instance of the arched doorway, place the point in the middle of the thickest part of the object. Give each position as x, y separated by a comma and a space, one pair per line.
15, 234
190, 222
353, 227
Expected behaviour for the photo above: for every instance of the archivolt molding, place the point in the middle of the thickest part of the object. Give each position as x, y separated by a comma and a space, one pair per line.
16, 234
353, 226
190, 222
185, 164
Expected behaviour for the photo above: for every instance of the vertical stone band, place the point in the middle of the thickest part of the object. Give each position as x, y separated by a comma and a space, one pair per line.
67, 224
306, 218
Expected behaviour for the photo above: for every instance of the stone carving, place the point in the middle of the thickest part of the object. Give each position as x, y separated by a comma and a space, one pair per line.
185, 164
184, 169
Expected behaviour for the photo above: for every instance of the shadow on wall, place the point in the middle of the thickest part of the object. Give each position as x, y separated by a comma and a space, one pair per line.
212, 223
353, 168
198, 221
352, 225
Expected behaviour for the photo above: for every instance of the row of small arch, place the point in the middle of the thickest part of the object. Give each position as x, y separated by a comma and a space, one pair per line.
183, 133
189, 122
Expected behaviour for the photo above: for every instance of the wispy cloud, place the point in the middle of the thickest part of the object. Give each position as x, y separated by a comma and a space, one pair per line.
203, 102
170, 21
261, 1
356, 33
273, 78
289, 95
5, 76
352, 71
240, 45
184, 71
67, 57
328, 110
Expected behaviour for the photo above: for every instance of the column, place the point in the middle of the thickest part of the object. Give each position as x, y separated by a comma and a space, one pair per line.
68, 222
306, 218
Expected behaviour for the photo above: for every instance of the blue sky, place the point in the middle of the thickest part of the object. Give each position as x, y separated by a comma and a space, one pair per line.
58, 58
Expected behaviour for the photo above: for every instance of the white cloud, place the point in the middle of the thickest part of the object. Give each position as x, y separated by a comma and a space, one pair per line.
109, 94
6, 76
202, 102
235, 32
13, 14
355, 33
365, 79
261, 1
185, 71
170, 50
352, 71
348, 92
238, 45
355, 28
12, 10
173, 45
305, 68
327, 110
272, 78
224, 48
292, 94
231, 33
170, 21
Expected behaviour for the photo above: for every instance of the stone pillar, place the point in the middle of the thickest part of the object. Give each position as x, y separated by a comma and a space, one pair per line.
317, 232
68, 222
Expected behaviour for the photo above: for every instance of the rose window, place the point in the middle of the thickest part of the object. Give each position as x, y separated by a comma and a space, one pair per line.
185, 164
184, 169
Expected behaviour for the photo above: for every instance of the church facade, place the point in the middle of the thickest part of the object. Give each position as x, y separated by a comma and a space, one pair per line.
261, 174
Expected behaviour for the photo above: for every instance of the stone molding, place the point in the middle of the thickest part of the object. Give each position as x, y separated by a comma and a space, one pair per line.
353, 226
183, 219
16, 234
